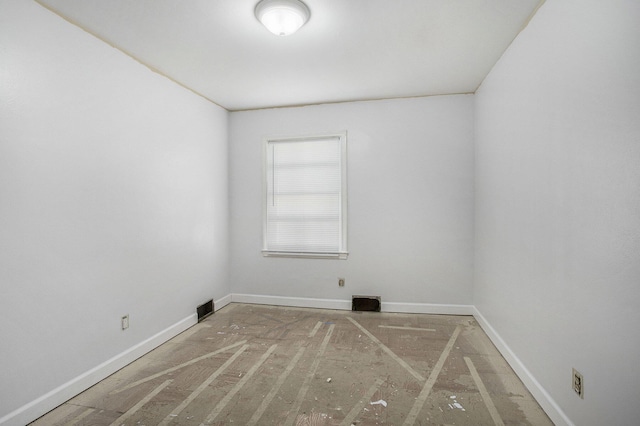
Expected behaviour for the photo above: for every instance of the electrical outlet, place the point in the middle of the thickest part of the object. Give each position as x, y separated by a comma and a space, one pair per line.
125, 322
578, 383
341, 282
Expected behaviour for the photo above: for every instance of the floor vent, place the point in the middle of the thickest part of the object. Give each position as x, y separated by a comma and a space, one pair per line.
205, 310
366, 303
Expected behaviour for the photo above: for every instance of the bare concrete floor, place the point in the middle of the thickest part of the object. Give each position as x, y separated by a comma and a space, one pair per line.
267, 365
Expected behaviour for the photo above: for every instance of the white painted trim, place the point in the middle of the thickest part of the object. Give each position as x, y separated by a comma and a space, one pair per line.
304, 302
427, 308
47, 402
222, 302
545, 400
298, 302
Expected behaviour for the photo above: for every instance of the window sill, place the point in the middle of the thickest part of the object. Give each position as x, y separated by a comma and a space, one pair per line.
339, 256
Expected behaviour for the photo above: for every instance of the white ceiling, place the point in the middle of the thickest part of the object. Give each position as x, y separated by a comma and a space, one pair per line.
349, 50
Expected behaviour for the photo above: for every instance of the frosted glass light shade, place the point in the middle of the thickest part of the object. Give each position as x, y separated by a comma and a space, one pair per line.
282, 17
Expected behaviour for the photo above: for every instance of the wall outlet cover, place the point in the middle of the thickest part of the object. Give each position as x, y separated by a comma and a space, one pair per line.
125, 322
578, 383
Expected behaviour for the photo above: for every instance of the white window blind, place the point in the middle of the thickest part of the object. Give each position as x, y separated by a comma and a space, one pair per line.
305, 197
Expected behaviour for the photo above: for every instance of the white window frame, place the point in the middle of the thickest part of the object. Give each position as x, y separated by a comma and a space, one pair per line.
342, 252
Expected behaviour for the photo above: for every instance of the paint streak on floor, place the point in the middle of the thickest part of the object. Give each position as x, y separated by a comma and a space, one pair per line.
267, 365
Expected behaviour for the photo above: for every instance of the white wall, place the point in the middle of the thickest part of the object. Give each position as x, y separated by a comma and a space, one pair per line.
113, 200
558, 204
410, 178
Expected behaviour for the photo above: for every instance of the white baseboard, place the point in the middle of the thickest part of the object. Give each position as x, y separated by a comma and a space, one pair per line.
298, 302
427, 308
345, 305
222, 302
28, 412
547, 403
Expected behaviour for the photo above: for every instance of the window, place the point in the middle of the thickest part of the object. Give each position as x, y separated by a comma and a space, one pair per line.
305, 197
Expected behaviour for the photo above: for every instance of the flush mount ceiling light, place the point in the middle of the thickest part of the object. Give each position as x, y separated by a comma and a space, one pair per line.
282, 17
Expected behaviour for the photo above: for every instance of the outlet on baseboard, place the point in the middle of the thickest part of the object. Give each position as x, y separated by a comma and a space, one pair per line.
125, 322
578, 383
